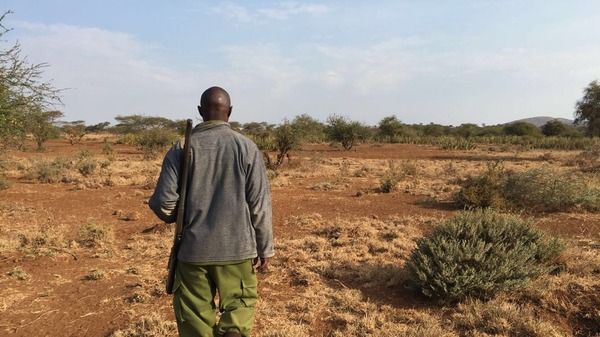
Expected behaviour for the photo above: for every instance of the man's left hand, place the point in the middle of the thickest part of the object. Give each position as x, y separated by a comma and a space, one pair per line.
261, 264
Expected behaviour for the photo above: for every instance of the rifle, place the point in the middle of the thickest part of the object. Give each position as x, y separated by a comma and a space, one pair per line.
179, 223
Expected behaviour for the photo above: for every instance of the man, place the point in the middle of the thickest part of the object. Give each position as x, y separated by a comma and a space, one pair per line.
227, 229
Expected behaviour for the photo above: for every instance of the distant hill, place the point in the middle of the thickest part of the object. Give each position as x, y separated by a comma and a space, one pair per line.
541, 120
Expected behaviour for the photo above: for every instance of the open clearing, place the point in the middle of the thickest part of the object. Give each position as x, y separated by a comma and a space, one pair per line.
87, 257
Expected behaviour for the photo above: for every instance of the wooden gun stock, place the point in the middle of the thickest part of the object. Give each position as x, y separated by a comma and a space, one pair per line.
179, 223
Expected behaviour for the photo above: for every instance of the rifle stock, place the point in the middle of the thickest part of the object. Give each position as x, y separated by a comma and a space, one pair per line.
179, 223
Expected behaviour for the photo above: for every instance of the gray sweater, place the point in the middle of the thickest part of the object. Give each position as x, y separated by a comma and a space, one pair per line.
228, 209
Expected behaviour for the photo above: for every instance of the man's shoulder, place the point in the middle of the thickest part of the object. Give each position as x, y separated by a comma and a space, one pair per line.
243, 140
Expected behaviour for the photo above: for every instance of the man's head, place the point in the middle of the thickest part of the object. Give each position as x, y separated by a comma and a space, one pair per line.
215, 104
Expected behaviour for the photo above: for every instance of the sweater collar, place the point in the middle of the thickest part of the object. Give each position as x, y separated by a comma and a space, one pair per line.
209, 125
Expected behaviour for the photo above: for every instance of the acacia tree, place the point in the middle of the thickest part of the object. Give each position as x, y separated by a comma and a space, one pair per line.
390, 128
587, 110
22, 91
308, 129
40, 124
74, 131
139, 123
345, 131
285, 139
555, 128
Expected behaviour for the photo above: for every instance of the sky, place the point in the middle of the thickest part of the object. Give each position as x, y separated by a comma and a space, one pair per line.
447, 62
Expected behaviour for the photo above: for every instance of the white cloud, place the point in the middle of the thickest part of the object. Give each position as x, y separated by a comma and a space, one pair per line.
114, 73
280, 11
287, 9
107, 73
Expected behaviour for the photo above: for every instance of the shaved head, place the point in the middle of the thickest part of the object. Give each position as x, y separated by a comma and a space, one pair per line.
215, 104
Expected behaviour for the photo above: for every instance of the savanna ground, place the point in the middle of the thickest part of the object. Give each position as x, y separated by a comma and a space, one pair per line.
82, 255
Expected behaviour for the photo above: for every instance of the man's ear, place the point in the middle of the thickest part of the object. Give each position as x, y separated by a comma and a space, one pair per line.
229, 113
200, 111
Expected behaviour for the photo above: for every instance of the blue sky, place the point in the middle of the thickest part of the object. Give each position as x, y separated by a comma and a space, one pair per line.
447, 62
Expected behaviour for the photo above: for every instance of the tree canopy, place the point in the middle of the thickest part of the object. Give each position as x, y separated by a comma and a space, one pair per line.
22, 91
587, 110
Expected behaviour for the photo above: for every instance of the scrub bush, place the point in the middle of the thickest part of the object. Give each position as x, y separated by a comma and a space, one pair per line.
4, 183
49, 171
546, 190
536, 190
478, 254
485, 190
389, 181
152, 141
86, 166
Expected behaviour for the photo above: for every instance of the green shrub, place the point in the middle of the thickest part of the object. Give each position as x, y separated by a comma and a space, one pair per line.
154, 140
285, 139
456, 143
478, 254
347, 132
522, 129
486, 190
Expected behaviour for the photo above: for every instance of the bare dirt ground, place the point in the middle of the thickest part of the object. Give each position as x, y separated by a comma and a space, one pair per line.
86, 257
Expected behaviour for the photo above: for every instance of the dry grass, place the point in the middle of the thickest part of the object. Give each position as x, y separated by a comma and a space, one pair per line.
151, 325
19, 274
501, 318
95, 236
341, 277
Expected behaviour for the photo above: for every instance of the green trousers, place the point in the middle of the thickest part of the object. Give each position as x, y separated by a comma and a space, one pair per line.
194, 298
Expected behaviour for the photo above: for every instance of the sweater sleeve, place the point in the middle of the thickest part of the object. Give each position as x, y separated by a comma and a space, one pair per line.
258, 197
164, 199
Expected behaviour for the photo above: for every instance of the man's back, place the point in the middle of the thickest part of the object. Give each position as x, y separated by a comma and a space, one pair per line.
228, 207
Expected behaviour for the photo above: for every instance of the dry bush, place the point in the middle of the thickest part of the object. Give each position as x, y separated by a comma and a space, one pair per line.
538, 190
19, 274
4, 183
409, 168
94, 275
542, 189
93, 236
87, 166
362, 171
499, 318
50, 171
589, 160
389, 181
43, 240
107, 148
478, 254
485, 190
151, 325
